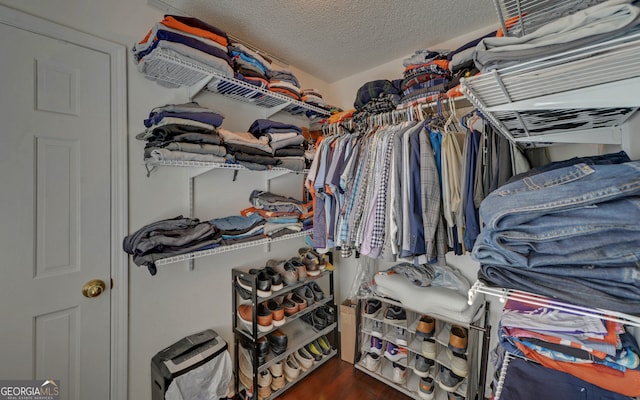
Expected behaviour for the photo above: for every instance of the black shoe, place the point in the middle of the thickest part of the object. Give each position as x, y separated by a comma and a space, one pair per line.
263, 282
318, 294
372, 306
276, 279
395, 315
278, 341
262, 347
306, 293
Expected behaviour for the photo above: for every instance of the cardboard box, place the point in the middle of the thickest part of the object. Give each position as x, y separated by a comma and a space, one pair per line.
347, 330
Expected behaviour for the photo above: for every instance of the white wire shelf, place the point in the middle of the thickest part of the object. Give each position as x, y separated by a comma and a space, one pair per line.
587, 93
525, 297
215, 165
520, 17
225, 249
166, 67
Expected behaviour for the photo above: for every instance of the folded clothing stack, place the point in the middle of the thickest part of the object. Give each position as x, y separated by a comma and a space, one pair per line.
272, 215
168, 238
284, 82
250, 67
426, 76
375, 97
186, 37
286, 141
184, 132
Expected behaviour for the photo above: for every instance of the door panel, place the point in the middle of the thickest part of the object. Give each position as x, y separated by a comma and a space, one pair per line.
55, 211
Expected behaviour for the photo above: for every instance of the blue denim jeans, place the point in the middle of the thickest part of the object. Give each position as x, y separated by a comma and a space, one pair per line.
577, 215
611, 288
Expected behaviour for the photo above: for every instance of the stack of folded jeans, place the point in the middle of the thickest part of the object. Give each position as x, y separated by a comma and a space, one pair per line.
286, 140
569, 233
186, 38
236, 229
168, 238
185, 132
426, 76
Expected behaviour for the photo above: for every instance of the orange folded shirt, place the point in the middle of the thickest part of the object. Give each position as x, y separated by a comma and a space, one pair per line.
171, 22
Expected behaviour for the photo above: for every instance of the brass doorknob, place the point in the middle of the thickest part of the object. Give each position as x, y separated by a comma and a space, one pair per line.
93, 288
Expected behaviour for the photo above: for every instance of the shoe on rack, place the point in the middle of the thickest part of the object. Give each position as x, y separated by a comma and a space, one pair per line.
262, 346
291, 368
264, 384
306, 293
454, 396
276, 279
458, 339
285, 269
277, 312
312, 269
300, 267
422, 365
325, 345
447, 380
299, 300
376, 345
311, 260
426, 327
399, 373
276, 369
278, 341
314, 349
401, 336
318, 294
428, 348
372, 362
394, 353
304, 358
264, 316
277, 383
395, 315
372, 306
426, 388
263, 282
244, 293
459, 364
376, 329
330, 313
264, 378
290, 307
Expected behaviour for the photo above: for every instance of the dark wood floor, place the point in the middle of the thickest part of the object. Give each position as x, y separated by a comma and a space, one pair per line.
336, 380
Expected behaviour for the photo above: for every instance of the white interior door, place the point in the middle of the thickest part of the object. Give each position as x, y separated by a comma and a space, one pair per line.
55, 212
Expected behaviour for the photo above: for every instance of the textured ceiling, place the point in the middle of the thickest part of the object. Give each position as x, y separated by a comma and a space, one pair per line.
333, 39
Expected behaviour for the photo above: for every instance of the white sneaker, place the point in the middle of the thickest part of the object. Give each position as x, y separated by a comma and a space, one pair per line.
291, 368
372, 362
401, 336
399, 374
459, 365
